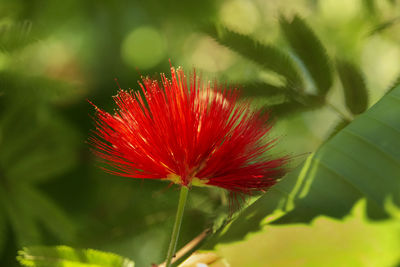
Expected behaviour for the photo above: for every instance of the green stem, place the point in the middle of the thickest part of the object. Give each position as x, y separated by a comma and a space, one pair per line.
177, 225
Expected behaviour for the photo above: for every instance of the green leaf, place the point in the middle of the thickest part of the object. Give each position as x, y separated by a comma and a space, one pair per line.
15, 35
293, 106
267, 56
338, 127
370, 6
361, 161
25, 220
310, 51
285, 109
255, 89
49, 150
64, 256
355, 90
320, 243
384, 25
37, 145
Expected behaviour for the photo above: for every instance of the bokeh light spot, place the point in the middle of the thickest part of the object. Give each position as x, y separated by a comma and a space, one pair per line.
339, 11
144, 47
241, 16
206, 54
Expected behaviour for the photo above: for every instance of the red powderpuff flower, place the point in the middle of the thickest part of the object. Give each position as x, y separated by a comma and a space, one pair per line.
188, 133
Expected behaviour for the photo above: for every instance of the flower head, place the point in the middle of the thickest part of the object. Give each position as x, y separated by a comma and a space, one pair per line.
189, 133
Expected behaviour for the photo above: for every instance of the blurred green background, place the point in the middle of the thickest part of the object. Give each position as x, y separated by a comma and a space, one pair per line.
56, 55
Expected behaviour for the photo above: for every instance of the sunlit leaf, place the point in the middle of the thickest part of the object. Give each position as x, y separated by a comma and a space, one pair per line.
320, 243
267, 56
63, 256
361, 161
354, 87
310, 51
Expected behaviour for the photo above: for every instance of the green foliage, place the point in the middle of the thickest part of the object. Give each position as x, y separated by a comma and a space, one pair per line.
267, 56
3, 228
370, 6
285, 109
140, 216
19, 216
37, 145
361, 161
308, 49
45, 167
42, 89
313, 62
311, 52
256, 89
47, 143
353, 241
14, 36
338, 127
354, 87
26, 219
70, 257
384, 26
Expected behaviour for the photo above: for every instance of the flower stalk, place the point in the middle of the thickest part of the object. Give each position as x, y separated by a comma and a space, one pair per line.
177, 225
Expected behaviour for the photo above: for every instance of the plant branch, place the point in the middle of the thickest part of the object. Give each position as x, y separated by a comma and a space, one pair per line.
339, 112
177, 225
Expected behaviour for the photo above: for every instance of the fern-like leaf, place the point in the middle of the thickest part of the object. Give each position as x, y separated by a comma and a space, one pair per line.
310, 51
42, 208
370, 6
354, 87
70, 257
255, 89
285, 109
384, 25
15, 36
294, 105
266, 56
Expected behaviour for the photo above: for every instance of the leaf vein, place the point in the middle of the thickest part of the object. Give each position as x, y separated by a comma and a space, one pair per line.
371, 144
